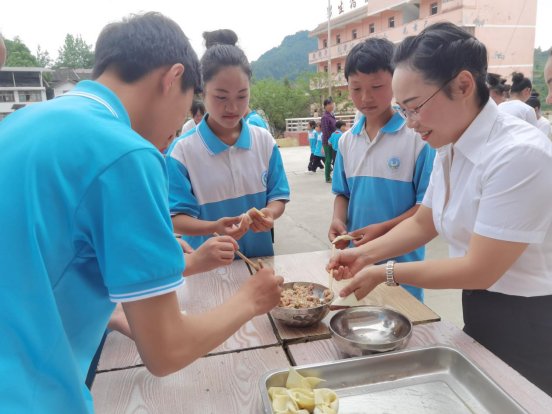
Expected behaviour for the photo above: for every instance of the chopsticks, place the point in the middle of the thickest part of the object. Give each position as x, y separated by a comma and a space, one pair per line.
247, 260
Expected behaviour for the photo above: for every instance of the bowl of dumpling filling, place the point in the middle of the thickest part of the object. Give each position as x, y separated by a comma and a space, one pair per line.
302, 304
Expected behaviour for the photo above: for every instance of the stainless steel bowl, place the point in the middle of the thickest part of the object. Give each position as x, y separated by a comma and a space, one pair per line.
302, 317
368, 329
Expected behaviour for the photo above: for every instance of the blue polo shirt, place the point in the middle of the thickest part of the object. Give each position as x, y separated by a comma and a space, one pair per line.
85, 223
253, 118
334, 139
209, 180
384, 177
312, 140
318, 147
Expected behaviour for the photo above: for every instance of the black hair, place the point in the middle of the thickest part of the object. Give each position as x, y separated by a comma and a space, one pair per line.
142, 43
520, 82
534, 101
312, 123
222, 51
197, 106
328, 101
440, 52
497, 83
339, 124
370, 56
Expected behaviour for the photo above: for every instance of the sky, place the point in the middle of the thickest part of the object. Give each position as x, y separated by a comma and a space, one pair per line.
260, 25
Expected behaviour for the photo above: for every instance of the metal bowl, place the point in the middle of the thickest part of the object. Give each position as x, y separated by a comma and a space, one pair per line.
369, 329
302, 317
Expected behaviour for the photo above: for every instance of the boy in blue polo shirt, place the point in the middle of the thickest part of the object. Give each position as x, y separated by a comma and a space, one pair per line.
341, 127
382, 167
87, 225
226, 167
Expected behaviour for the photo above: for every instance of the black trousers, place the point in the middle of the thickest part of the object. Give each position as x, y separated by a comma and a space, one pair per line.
517, 329
315, 162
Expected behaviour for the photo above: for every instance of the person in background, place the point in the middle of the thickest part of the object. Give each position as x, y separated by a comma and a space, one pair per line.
498, 88
520, 91
227, 176
67, 254
341, 127
542, 123
197, 111
311, 134
489, 197
327, 123
253, 118
319, 158
382, 167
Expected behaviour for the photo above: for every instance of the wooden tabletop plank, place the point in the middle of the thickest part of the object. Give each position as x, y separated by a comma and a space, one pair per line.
310, 267
444, 333
225, 383
200, 293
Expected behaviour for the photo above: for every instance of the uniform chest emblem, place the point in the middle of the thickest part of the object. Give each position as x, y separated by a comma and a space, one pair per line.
394, 163
264, 178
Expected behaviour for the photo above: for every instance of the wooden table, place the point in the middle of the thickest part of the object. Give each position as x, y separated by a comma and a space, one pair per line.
227, 379
199, 293
310, 267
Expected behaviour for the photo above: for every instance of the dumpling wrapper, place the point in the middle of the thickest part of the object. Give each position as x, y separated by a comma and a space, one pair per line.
347, 301
303, 397
346, 237
276, 391
296, 380
326, 401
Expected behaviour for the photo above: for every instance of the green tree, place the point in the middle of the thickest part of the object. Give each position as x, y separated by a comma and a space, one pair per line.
19, 54
43, 58
75, 53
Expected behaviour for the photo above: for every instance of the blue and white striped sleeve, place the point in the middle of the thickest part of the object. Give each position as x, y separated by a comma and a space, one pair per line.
277, 186
181, 196
339, 179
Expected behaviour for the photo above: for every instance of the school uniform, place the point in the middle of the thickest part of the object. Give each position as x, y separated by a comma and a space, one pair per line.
384, 177
253, 118
520, 110
86, 224
544, 125
209, 180
497, 177
312, 144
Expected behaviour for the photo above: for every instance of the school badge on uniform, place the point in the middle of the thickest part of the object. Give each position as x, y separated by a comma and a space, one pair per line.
264, 178
394, 163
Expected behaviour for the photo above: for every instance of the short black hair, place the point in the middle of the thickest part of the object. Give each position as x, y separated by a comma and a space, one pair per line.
312, 123
222, 51
328, 101
197, 106
534, 101
520, 82
497, 83
339, 124
440, 52
370, 56
142, 43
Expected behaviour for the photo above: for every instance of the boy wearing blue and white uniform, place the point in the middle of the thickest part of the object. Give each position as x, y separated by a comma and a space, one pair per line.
79, 179
253, 118
382, 167
210, 180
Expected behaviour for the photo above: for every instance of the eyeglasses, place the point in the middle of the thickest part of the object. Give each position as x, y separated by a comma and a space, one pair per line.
415, 112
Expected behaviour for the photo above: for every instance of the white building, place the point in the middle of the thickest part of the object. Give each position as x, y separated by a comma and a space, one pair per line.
20, 87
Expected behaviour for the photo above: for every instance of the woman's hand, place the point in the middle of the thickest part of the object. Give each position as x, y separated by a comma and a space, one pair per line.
346, 263
364, 282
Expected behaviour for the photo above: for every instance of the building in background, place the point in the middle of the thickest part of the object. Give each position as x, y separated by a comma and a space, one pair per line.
64, 79
20, 87
507, 28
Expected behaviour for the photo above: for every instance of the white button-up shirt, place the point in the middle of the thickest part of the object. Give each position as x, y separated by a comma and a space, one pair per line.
496, 181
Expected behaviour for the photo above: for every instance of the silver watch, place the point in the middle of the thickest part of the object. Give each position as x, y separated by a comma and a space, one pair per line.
390, 273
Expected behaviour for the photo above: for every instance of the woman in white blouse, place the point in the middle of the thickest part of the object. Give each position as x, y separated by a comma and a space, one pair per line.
489, 198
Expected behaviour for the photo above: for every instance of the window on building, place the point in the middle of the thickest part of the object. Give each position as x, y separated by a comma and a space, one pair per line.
372, 28
391, 22
433, 9
7, 96
339, 68
338, 39
326, 68
325, 43
354, 34
30, 96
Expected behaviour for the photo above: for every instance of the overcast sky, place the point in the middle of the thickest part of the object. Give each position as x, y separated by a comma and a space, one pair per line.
46, 22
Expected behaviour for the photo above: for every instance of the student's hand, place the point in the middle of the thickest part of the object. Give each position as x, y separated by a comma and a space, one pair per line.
368, 233
215, 252
263, 290
238, 230
346, 263
338, 228
260, 223
227, 225
186, 248
118, 322
364, 282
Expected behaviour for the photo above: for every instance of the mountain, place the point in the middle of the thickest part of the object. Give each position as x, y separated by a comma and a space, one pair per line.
287, 60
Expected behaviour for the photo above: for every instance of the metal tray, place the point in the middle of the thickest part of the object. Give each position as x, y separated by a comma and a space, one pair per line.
436, 379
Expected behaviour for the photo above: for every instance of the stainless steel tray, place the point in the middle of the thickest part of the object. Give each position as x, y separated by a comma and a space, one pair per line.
437, 379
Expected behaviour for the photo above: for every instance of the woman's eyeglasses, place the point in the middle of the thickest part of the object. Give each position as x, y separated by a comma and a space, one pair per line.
414, 113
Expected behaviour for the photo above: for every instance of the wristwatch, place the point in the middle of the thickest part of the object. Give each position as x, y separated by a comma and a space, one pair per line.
390, 273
